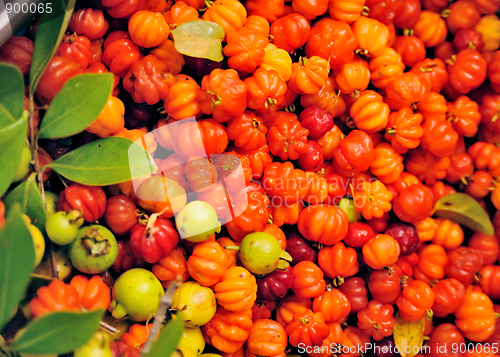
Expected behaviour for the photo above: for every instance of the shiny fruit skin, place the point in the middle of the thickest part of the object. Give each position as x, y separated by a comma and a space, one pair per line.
406, 235
358, 234
317, 121
197, 221
62, 227
121, 214
87, 252
299, 249
274, 286
197, 303
136, 294
260, 253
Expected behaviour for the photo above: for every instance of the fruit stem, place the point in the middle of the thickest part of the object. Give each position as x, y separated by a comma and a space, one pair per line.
53, 263
445, 13
284, 261
339, 280
232, 247
391, 131
108, 328
161, 314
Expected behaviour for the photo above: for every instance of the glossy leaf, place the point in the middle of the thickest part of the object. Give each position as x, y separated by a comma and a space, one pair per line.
409, 336
76, 106
168, 339
28, 196
465, 210
105, 162
17, 255
9, 132
58, 332
10, 155
201, 39
51, 28
11, 95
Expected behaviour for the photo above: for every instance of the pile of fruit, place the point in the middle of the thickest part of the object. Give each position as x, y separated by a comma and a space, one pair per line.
323, 177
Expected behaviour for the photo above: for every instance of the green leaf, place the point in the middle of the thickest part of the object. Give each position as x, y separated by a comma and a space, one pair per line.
58, 332
8, 133
17, 255
76, 106
49, 34
11, 95
168, 339
409, 336
465, 210
105, 162
28, 196
202, 39
10, 155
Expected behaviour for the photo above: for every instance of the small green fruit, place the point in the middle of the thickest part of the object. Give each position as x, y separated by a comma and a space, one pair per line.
51, 201
62, 227
261, 253
347, 205
197, 221
24, 165
94, 250
136, 295
97, 346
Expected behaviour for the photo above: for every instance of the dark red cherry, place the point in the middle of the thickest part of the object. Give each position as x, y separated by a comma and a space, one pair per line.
275, 285
406, 235
299, 249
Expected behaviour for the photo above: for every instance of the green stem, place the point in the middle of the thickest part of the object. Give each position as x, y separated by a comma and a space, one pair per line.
39, 177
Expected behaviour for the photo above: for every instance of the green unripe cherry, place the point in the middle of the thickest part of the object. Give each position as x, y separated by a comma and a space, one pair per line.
347, 205
62, 227
136, 295
51, 201
261, 253
94, 250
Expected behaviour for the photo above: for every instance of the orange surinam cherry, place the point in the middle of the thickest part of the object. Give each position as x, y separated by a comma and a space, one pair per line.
373, 200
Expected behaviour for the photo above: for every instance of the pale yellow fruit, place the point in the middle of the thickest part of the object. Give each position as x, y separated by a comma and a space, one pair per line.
38, 240
24, 165
63, 266
97, 346
192, 339
196, 302
183, 352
